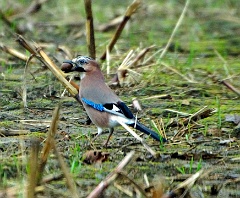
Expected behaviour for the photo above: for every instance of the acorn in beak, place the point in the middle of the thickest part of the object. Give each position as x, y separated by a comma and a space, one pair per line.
70, 66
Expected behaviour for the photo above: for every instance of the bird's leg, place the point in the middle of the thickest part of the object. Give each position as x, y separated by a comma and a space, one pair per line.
111, 132
100, 130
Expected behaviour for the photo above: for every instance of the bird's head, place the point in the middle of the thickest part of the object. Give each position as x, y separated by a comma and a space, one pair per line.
80, 64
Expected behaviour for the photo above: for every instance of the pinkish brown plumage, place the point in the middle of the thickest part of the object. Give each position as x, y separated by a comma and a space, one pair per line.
94, 89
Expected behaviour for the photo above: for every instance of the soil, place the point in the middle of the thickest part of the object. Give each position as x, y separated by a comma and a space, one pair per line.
209, 142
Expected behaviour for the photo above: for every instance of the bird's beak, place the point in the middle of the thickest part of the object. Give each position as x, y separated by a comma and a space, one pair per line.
70, 66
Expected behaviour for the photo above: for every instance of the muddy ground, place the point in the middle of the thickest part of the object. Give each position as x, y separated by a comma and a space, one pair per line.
203, 58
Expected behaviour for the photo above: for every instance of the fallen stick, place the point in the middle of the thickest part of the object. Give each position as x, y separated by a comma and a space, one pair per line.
13, 132
130, 10
9, 23
14, 52
48, 144
111, 177
138, 138
200, 114
33, 169
90, 29
66, 172
231, 87
57, 72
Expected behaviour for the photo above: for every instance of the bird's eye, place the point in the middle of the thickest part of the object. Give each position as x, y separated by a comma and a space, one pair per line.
82, 62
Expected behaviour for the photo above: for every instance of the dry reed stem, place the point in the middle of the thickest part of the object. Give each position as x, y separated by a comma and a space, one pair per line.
66, 172
179, 113
129, 12
111, 176
90, 29
53, 67
14, 52
74, 85
226, 83
177, 72
13, 132
123, 189
49, 141
162, 96
225, 64
153, 153
162, 128
50, 144
121, 174
52, 177
9, 23
175, 29
200, 114
58, 73
141, 55
33, 8
24, 86
23, 42
123, 69
127, 62
40, 55
189, 182
231, 87
33, 169
110, 25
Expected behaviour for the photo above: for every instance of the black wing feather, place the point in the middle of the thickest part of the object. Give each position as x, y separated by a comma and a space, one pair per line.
126, 111
122, 108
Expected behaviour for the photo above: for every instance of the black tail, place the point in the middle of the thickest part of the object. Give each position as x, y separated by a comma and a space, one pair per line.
147, 131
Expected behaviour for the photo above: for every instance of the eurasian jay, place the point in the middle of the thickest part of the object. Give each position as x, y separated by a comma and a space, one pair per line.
102, 105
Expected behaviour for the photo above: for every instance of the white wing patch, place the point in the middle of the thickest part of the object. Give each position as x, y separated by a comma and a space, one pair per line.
113, 120
115, 108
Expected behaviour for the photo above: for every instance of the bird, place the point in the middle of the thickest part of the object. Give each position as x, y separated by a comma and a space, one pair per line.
103, 106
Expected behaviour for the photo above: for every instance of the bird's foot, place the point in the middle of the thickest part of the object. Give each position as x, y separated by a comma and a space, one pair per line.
105, 145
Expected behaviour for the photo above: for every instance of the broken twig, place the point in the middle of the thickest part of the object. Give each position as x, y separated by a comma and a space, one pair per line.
90, 29
111, 176
130, 10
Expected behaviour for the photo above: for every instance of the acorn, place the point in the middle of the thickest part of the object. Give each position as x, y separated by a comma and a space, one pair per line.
66, 67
